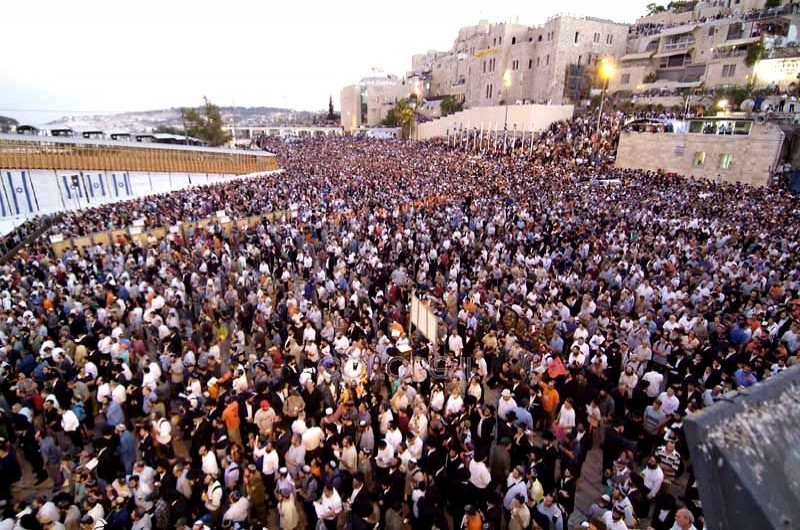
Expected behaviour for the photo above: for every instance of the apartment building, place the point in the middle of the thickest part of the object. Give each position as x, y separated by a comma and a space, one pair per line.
491, 64
709, 45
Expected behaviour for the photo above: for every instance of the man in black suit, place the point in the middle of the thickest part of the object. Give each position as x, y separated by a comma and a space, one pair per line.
485, 429
584, 439
359, 505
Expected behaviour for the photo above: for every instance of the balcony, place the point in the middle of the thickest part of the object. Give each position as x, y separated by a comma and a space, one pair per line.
679, 45
729, 54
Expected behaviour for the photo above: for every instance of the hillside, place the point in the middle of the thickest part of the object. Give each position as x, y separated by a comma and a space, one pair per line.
145, 121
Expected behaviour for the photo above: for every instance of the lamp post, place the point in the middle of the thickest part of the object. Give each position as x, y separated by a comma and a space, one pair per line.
606, 71
506, 86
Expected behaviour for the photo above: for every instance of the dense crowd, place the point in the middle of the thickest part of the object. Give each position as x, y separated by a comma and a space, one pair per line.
271, 377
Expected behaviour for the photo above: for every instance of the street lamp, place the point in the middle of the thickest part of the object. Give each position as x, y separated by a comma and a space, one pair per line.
506, 86
606, 71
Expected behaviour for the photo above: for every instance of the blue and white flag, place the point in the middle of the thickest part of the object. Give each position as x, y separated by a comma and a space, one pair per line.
20, 193
96, 184
121, 185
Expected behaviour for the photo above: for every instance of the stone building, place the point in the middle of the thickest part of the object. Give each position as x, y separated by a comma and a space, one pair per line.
706, 45
491, 64
368, 102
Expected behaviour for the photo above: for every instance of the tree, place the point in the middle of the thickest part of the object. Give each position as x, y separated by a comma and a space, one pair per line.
653, 9
391, 119
331, 115
206, 123
402, 115
754, 53
451, 105
6, 124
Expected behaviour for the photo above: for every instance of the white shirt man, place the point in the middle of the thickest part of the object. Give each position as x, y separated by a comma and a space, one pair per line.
237, 511
312, 438
270, 463
213, 500
455, 344
394, 437
506, 404
655, 379
479, 475
329, 505
209, 464
653, 478
669, 402
69, 421
454, 404
385, 456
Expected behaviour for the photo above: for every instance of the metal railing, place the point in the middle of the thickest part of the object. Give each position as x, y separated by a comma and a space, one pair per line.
727, 54
671, 46
46, 223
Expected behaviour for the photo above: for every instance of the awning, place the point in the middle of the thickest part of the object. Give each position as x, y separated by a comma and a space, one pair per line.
738, 42
683, 51
636, 56
677, 31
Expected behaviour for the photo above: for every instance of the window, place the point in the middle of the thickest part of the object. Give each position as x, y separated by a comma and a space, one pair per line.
540, 38
579, 59
728, 70
711, 31
494, 41
547, 60
484, 67
499, 40
699, 159
725, 160
610, 39
538, 62
489, 91
530, 64
625, 79
596, 37
513, 40
576, 37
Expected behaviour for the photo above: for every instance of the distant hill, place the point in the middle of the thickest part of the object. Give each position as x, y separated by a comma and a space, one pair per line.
146, 121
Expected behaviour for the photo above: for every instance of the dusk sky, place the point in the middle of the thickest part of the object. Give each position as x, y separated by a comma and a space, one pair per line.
95, 56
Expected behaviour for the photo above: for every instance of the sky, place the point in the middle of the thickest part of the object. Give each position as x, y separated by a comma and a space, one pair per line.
67, 57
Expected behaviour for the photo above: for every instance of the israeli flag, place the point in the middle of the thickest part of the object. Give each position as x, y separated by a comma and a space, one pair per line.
96, 185
121, 185
5, 209
20, 196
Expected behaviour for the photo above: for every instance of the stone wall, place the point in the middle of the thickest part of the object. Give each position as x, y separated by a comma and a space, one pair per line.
753, 156
525, 117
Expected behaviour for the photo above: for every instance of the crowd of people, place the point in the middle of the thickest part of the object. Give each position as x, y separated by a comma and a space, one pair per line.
270, 376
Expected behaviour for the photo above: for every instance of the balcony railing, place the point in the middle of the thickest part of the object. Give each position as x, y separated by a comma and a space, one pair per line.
728, 54
680, 45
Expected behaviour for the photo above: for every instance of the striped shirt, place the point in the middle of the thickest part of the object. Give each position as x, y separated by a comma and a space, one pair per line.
670, 463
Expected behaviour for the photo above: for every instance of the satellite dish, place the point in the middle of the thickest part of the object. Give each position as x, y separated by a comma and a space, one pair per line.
747, 105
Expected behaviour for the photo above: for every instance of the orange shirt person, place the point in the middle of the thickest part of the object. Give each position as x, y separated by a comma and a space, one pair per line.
550, 400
